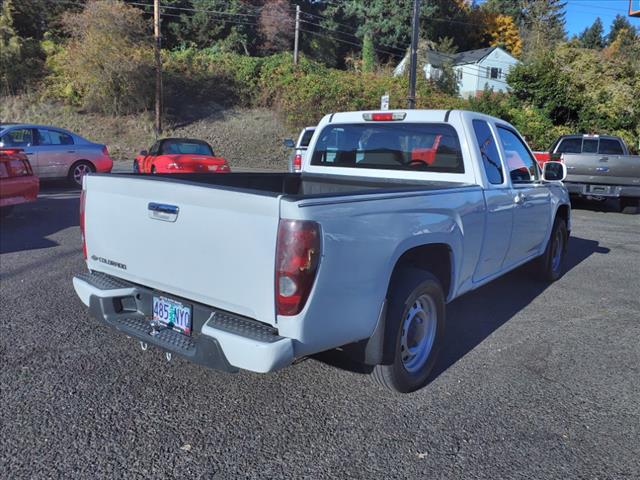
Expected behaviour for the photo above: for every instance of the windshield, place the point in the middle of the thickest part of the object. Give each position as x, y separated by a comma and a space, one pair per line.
390, 146
185, 147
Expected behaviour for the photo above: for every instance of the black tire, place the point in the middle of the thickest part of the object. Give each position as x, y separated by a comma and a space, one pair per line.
629, 206
549, 266
79, 170
6, 211
410, 287
136, 167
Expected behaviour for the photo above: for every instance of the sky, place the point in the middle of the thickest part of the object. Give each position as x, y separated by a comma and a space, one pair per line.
582, 13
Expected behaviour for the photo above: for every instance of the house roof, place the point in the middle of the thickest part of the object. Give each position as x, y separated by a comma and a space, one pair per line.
437, 59
472, 56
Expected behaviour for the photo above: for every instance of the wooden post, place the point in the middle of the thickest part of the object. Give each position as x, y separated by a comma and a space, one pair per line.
414, 54
158, 61
297, 35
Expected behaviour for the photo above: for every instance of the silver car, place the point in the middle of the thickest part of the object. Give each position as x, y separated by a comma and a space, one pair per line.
56, 153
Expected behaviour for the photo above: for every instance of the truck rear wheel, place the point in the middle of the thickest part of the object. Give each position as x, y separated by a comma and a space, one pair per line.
630, 206
414, 331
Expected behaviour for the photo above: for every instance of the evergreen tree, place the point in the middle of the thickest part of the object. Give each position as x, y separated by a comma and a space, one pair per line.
620, 23
368, 54
543, 25
593, 36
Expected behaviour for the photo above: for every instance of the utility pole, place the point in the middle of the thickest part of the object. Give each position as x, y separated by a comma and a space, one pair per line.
157, 45
297, 35
414, 54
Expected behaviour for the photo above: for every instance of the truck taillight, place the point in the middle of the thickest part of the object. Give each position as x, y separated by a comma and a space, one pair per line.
297, 256
84, 240
297, 163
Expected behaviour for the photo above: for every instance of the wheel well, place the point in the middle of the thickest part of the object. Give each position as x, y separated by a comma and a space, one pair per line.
434, 258
83, 160
563, 212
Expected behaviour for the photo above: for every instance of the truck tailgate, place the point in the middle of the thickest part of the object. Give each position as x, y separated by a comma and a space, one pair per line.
604, 169
219, 249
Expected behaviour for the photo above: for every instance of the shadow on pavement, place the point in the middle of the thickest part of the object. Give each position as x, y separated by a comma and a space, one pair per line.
29, 224
476, 315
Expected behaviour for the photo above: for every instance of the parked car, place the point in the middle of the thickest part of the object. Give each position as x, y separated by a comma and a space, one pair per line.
362, 250
599, 167
56, 153
18, 184
180, 155
295, 161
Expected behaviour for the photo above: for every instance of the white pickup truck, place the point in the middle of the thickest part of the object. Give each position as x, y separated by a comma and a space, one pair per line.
393, 215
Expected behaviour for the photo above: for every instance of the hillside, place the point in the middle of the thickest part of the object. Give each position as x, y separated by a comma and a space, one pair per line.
247, 138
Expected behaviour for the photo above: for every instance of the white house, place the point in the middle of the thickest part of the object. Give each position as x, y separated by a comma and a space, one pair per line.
475, 69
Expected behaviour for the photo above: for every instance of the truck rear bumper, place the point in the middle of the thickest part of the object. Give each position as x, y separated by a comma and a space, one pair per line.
598, 190
219, 339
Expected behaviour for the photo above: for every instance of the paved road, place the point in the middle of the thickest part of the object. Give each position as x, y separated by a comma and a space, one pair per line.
535, 382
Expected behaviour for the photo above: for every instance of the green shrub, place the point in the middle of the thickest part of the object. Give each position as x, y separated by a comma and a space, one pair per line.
107, 66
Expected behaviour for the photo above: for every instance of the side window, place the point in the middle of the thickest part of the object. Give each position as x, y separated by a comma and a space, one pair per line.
53, 137
590, 145
154, 149
610, 146
570, 145
522, 166
488, 152
20, 137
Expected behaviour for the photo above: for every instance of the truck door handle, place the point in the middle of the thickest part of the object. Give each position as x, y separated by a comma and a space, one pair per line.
28, 153
520, 198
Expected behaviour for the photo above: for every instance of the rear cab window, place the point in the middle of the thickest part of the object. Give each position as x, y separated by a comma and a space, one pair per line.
426, 147
610, 146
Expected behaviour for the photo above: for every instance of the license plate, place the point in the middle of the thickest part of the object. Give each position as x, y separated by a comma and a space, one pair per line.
173, 314
599, 189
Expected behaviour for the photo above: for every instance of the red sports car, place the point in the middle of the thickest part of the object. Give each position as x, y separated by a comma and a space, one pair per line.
18, 184
180, 155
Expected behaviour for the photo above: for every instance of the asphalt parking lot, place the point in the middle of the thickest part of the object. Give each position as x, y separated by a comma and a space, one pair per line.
535, 381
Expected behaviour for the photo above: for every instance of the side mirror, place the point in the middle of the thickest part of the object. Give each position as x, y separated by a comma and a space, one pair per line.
144, 153
288, 142
554, 171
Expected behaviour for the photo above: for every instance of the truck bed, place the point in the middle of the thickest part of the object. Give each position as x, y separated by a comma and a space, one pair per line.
297, 186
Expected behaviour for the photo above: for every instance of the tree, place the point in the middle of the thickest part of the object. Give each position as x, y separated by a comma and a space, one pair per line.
543, 23
21, 60
276, 25
619, 24
108, 63
503, 32
368, 54
235, 31
593, 36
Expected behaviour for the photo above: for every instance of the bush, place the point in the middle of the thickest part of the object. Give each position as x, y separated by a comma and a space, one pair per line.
108, 64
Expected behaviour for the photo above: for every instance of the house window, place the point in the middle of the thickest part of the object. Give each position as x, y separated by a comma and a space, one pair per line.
493, 72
